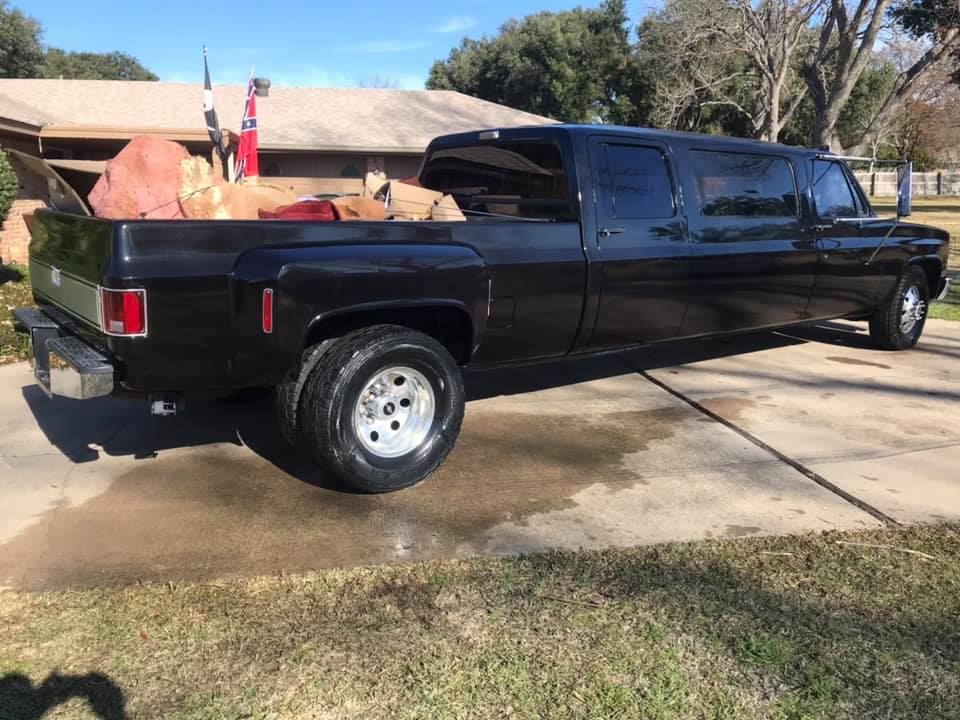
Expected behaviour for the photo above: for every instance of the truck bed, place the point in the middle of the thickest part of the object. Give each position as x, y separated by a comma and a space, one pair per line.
204, 280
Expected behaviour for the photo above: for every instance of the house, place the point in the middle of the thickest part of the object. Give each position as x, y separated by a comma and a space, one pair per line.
314, 139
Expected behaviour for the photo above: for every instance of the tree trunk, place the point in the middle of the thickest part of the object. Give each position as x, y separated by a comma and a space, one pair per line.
851, 53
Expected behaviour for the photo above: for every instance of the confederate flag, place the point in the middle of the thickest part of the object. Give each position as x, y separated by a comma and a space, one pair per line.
247, 164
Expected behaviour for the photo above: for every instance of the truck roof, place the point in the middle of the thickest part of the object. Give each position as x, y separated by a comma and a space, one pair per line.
718, 141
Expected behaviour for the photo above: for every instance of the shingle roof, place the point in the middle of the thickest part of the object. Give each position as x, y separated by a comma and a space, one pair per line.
307, 118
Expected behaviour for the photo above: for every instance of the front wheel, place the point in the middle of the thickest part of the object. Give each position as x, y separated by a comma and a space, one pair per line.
383, 408
898, 324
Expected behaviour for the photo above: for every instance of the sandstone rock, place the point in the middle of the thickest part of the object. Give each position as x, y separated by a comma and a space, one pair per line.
142, 181
201, 191
244, 202
206, 196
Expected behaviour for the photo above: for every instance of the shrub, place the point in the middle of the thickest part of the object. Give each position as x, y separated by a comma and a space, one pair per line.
8, 186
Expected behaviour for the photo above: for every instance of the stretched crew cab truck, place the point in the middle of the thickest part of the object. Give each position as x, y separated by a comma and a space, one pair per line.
580, 239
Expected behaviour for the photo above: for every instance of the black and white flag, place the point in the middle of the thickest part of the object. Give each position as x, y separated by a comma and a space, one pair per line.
210, 112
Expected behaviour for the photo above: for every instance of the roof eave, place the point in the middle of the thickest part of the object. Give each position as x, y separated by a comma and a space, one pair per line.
107, 132
18, 127
342, 149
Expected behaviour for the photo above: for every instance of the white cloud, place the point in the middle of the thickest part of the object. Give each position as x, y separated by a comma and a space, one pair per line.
457, 23
382, 46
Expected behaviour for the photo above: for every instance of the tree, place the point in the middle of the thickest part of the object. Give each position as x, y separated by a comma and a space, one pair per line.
771, 33
738, 54
21, 54
694, 81
572, 65
377, 81
58, 63
848, 37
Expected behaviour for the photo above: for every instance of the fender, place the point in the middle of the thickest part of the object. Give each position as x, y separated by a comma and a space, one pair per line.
314, 285
933, 266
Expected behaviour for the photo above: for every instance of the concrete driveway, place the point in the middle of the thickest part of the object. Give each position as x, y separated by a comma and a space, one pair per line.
799, 430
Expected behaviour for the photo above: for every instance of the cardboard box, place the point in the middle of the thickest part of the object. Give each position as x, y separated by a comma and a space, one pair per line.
447, 210
410, 202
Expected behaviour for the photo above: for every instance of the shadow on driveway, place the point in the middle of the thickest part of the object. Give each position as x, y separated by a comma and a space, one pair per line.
81, 430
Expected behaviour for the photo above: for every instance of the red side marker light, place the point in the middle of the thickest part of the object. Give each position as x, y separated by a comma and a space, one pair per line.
123, 312
268, 311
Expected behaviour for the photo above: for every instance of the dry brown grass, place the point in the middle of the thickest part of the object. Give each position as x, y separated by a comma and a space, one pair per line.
942, 212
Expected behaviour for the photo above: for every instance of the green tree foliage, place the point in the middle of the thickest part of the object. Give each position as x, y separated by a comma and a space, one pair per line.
859, 110
94, 66
21, 54
573, 66
8, 186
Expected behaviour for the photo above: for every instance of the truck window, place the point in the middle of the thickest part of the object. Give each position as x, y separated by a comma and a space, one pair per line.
743, 185
518, 179
832, 194
640, 182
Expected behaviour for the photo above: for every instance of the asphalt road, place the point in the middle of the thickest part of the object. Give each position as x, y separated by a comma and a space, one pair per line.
786, 432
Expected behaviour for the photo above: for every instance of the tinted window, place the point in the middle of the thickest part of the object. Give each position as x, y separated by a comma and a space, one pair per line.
831, 192
524, 179
741, 184
640, 182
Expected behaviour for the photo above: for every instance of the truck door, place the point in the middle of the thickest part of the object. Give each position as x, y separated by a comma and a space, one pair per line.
754, 261
847, 281
641, 236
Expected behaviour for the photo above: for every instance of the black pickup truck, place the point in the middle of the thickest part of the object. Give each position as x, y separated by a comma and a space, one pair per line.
579, 239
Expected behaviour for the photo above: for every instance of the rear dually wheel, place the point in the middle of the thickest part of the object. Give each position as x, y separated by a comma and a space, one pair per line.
382, 409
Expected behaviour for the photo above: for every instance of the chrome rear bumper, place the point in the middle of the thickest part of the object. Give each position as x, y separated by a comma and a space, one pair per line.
947, 282
63, 363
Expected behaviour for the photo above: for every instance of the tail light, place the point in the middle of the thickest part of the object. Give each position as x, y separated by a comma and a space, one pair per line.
268, 311
123, 312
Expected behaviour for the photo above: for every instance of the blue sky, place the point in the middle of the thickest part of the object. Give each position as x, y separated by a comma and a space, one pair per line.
292, 43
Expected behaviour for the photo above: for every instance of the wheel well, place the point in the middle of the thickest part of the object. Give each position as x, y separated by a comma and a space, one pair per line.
450, 326
933, 269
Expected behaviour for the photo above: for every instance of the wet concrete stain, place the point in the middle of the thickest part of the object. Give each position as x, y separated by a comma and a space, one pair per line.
856, 361
729, 408
741, 530
222, 511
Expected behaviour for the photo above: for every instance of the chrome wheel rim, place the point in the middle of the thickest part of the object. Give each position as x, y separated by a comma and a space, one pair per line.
911, 310
394, 412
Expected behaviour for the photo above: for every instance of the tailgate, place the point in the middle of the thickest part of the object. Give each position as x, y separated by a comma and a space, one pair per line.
69, 258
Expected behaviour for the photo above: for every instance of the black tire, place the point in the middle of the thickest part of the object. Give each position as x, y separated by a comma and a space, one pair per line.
328, 408
886, 325
286, 395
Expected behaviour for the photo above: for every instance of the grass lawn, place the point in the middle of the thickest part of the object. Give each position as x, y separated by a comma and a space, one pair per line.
802, 627
14, 292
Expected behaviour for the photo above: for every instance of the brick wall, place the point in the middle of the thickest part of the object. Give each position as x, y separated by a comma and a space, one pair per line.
14, 235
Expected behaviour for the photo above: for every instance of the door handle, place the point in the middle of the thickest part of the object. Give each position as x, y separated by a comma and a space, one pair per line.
607, 232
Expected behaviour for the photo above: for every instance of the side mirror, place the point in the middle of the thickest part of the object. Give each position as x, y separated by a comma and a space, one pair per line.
904, 188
